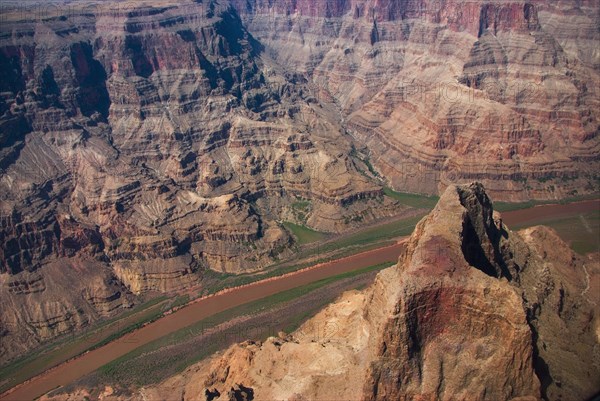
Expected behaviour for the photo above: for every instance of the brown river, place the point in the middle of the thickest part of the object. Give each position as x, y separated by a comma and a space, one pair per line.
208, 306
540, 214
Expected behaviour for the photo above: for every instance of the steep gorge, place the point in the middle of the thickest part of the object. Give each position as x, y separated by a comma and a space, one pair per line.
146, 145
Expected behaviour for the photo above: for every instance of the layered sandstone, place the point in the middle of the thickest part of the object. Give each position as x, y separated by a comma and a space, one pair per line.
444, 92
158, 141
62, 297
472, 311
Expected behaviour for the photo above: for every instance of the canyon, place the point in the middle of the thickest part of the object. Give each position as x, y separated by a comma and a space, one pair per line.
467, 297
448, 91
147, 146
143, 147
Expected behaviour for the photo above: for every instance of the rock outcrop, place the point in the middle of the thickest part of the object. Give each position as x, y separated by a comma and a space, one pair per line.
63, 297
472, 311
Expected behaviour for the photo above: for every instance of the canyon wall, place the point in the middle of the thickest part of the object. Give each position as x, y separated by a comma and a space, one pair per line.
146, 146
443, 92
153, 144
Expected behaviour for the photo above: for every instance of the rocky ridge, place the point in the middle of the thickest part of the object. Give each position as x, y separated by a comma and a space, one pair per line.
472, 311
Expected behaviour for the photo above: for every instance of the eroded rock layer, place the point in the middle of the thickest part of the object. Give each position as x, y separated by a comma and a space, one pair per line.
449, 91
472, 311
63, 297
157, 141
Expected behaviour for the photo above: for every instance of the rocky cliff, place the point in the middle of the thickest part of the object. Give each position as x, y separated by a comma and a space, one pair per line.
472, 311
63, 297
137, 125
442, 92
156, 142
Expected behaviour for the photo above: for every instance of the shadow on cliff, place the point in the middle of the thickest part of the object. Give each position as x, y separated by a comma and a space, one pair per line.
92, 95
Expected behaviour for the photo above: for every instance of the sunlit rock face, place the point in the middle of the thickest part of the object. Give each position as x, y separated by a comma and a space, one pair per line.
152, 143
477, 298
450, 91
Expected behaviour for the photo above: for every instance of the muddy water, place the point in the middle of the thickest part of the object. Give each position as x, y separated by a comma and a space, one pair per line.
539, 214
203, 308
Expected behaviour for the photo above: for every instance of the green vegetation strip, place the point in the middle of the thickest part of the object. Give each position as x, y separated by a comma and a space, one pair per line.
371, 235
303, 234
125, 369
412, 200
581, 232
510, 206
145, 319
